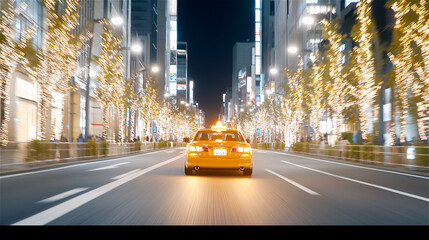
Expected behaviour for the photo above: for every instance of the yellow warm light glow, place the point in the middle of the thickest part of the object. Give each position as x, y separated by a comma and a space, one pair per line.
218, 127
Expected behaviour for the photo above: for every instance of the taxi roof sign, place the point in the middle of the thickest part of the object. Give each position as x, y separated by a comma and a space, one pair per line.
219, 126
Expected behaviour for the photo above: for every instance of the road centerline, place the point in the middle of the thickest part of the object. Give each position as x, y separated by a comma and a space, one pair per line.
59, 210
361, 182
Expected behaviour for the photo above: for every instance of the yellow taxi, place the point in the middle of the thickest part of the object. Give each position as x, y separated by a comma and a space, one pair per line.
219, 148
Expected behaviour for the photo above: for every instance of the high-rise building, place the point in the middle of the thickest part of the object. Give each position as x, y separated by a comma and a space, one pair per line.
144, 24
241, 60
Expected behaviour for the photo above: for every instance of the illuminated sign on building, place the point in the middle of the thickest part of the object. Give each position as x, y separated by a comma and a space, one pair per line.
191, 92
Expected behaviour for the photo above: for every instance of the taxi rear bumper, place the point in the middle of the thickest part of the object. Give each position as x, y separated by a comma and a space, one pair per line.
193, 160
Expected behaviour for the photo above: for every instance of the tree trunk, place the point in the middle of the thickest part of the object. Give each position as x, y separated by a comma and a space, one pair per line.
105, 121
4, 107
43, 112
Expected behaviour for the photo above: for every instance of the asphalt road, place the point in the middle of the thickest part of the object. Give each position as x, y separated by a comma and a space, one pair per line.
152, 189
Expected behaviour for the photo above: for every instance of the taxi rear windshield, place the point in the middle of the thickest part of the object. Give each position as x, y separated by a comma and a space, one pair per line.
213, 136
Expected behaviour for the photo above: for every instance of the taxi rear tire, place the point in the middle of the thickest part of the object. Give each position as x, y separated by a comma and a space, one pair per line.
188, 171
248, 171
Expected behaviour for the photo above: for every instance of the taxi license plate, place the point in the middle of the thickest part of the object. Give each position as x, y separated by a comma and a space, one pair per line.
219, 152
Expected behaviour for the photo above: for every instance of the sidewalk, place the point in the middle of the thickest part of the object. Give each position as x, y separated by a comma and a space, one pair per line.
23, 156
409, 159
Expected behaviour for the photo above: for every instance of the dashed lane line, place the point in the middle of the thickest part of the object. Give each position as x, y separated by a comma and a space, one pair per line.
61, 209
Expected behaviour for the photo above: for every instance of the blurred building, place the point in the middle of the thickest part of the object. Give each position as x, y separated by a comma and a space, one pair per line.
150, 23
292, 31
82, 113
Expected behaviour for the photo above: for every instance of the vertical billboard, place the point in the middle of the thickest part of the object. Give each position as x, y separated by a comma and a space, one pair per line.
258, 47
172, 35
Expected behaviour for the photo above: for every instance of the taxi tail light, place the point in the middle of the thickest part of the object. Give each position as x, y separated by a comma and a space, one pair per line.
198, 149
241, 149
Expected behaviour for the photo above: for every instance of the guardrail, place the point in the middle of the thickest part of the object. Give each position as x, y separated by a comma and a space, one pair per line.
22, 155
414, 158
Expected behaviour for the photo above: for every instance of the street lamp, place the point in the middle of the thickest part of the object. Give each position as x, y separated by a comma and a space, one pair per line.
155, 69
273, 71
136, 48
117, 20
292, 49
270, 92
308, 20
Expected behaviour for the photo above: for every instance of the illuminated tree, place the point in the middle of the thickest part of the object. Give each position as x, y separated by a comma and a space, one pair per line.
150, 106
364, 34
410, 56
12, 52
110, 78
296, 92
132, 100
62, 45
340, 87
321, 83
55, 62
247, 124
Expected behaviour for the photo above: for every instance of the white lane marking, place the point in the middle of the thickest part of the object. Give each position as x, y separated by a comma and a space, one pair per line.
351, 165
75, 165
59, 210
364, 183
62, 195
305, 189
108, 167
125, 174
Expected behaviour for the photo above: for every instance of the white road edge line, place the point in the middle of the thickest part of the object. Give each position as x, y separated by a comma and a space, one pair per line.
59, 210
351, 165
305, 189
361, 182
75, 165
62, 195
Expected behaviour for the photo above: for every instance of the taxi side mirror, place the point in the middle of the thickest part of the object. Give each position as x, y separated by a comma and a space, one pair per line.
248, 140
186, 140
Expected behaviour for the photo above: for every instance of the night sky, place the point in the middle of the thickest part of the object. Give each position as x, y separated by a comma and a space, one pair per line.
211, 28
